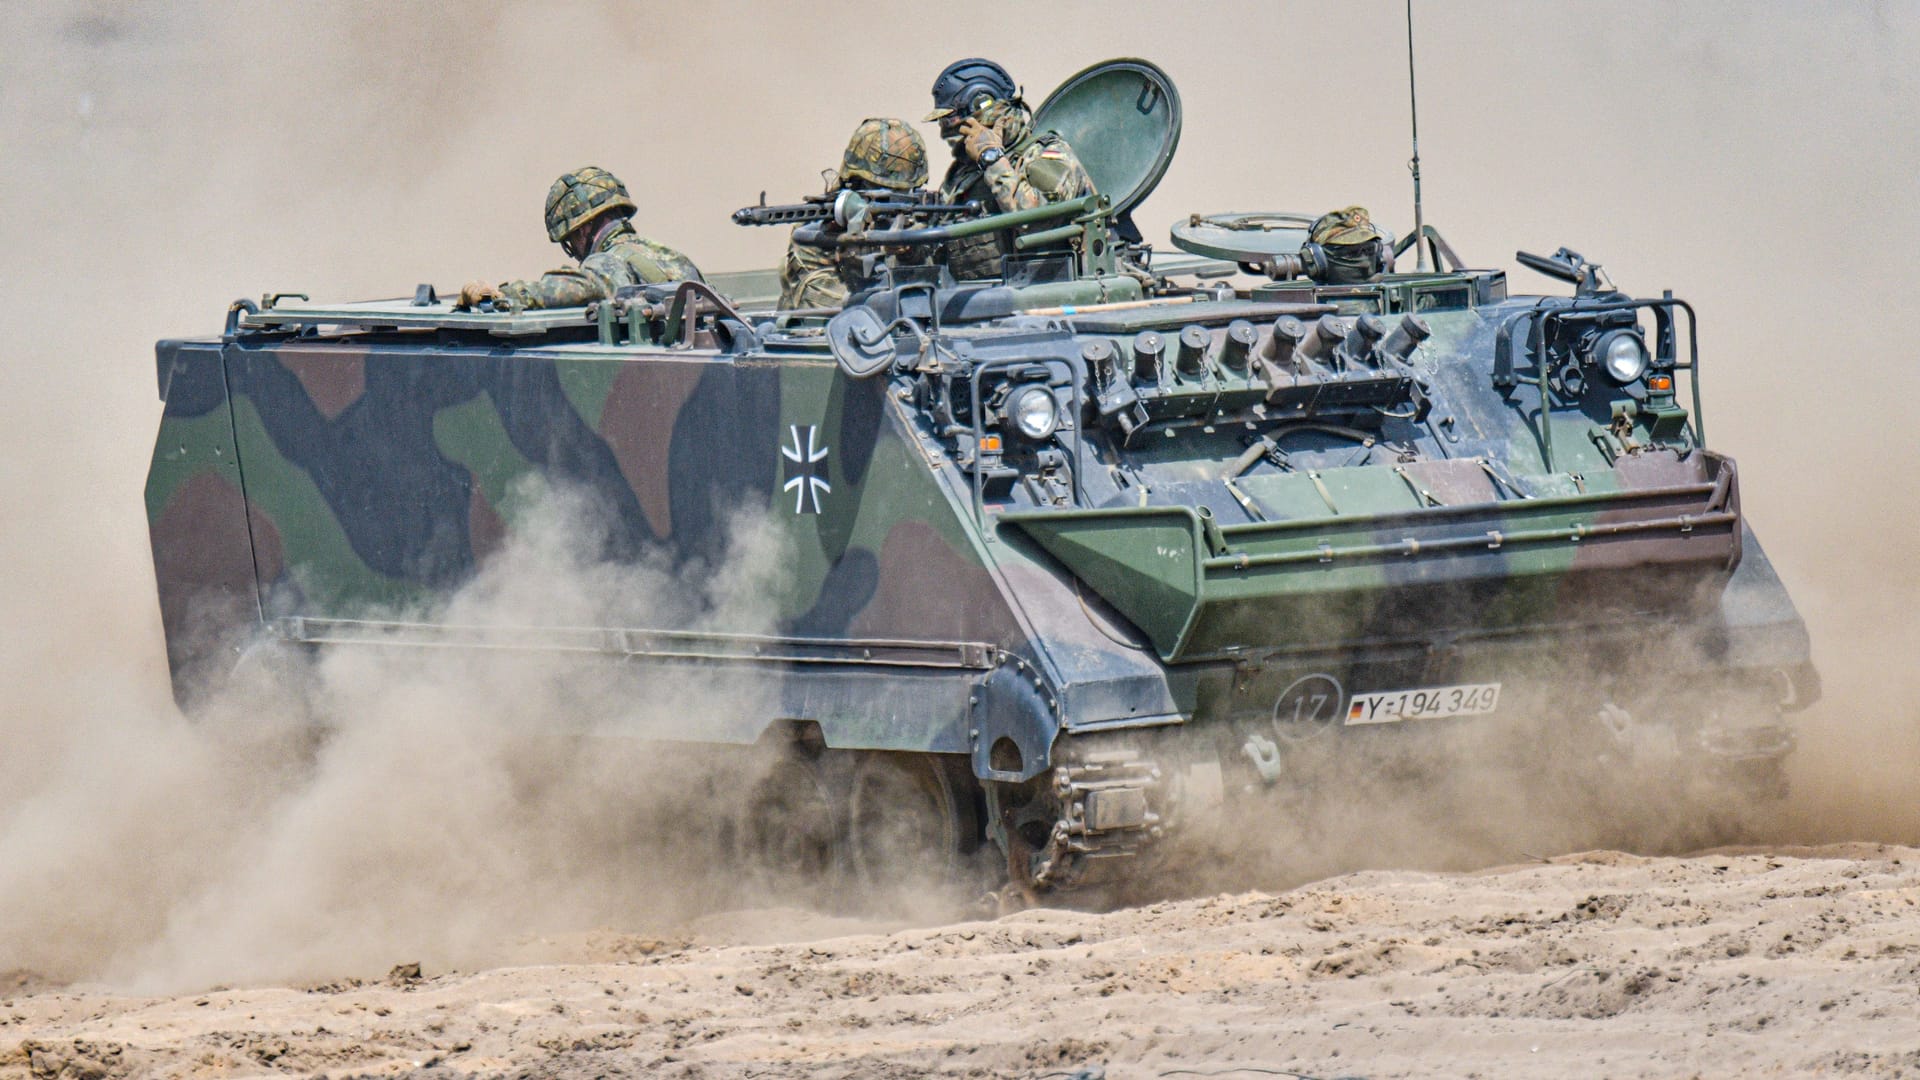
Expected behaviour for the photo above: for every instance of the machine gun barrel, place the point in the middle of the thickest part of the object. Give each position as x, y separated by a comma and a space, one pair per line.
790, 214
821, 208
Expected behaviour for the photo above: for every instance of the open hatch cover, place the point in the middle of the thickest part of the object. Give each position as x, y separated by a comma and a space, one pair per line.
1122, 118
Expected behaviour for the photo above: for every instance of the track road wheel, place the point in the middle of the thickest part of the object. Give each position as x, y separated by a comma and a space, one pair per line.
791, 838
909, 825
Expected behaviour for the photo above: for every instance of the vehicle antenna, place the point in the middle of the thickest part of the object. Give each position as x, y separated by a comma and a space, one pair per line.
1413, 101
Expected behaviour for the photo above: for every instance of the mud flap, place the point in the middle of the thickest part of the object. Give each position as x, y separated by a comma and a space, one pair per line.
1013, 723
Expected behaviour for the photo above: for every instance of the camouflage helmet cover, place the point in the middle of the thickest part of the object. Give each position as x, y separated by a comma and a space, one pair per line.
887, 152
1352, 225
582, 195
965, 82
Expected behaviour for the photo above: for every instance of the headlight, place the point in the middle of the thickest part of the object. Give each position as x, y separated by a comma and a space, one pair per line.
1035, 412
1623, 355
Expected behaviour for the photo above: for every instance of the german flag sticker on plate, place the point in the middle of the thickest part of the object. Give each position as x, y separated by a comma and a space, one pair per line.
1429, 703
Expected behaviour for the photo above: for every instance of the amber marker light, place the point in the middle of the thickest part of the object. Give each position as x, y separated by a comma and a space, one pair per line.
1660, 382
990, 443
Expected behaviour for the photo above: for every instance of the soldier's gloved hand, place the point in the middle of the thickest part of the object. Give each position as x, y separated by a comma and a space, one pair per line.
977, 138
475, 293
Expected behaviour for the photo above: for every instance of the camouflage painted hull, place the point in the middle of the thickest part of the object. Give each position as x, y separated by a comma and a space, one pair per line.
312, 491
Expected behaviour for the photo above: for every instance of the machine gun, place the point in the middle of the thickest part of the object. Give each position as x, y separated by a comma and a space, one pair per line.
849, 208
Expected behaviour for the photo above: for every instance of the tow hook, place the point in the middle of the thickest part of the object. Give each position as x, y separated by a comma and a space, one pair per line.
1265, 755
1618, 723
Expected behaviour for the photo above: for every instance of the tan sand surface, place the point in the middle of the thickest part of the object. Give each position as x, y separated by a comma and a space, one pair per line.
1750, 962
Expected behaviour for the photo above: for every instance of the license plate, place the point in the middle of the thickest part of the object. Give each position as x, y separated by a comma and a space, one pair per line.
1427, 703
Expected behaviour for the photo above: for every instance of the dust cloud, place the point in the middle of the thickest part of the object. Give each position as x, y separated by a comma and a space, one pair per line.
160, 161
319, 814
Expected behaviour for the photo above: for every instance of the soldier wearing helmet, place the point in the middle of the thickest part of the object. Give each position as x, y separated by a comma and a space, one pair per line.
997, 157
587, 212
1356, 251
884, 153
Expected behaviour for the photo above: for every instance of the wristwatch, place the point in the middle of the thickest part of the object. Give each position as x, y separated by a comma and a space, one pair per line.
990, 155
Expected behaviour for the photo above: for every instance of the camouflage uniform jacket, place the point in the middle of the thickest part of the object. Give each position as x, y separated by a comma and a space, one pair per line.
622, 257
1039, 169
812, 277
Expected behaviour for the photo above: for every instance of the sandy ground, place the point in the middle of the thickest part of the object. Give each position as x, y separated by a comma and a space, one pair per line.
1790, 961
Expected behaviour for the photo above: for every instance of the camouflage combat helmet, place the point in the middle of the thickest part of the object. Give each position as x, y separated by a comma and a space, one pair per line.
1349, 226
887, 152
582, 195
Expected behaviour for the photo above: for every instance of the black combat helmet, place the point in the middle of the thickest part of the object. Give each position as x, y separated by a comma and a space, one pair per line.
964, 82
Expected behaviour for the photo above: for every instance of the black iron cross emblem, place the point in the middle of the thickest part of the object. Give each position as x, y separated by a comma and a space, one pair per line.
805, 471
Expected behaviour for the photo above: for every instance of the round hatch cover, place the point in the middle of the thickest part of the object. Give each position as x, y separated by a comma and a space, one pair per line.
1244, 237
1122, 118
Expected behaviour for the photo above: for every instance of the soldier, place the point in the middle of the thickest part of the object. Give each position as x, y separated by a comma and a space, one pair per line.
1356, 251
587, 212
997, 157
883, 152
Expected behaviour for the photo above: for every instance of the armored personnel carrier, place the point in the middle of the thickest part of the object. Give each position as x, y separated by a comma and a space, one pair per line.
1074, 558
